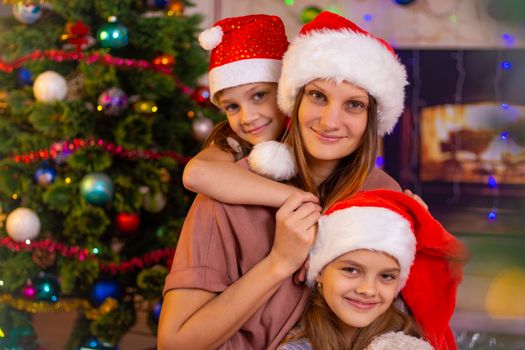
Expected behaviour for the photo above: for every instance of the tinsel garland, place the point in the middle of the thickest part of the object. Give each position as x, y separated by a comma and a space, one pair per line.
59, 56
148, 259
83, 305
76, 252
65, 147
48, 245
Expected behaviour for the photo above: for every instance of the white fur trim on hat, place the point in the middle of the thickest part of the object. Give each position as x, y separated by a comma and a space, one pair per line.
256, 70
273, 159
210, 38
344, 55
372, 228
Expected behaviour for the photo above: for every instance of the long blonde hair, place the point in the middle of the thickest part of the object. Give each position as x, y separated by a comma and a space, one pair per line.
321, 326
351, 172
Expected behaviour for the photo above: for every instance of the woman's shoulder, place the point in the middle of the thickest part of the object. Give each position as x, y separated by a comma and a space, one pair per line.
378, 179
398, 341
301, 344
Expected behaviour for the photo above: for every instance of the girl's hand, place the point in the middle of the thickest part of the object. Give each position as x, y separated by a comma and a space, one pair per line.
295, 231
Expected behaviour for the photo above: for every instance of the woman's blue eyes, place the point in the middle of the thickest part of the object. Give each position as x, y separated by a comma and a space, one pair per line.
356, 104
320, 97
316, 95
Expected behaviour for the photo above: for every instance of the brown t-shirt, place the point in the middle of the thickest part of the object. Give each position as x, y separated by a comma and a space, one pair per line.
220, 242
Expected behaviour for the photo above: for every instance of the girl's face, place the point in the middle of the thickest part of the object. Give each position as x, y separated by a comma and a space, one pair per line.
332, 120
252, 111
359, 286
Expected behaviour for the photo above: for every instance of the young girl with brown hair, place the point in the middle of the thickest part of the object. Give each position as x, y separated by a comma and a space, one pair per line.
383, 274
245, 65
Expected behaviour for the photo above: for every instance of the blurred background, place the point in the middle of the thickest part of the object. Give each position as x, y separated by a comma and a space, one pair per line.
103, 102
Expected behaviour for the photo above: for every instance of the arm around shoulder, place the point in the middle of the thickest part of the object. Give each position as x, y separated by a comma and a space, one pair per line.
201, 168
212, 173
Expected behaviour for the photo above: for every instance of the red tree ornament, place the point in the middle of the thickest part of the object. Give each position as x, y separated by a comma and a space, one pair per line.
165, 61
77, 34
128, 222
201, 95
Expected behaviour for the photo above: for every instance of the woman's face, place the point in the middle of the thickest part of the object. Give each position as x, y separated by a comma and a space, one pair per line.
332, 120
359, 286
252, 111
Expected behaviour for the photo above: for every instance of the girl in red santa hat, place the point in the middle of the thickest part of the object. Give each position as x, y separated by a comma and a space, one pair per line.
383, 274
245, 65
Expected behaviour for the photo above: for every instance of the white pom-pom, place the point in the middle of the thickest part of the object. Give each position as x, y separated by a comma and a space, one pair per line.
273, 159
210, 38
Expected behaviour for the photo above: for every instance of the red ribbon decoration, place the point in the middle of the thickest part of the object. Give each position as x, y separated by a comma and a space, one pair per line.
70, 146
104, 58
75, 252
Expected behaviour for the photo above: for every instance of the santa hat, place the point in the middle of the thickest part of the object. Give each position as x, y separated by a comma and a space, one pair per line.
244, 50
332, 47
430, 258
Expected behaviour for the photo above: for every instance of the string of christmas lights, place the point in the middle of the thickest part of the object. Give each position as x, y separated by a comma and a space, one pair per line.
79, 253
66, 147
67, 305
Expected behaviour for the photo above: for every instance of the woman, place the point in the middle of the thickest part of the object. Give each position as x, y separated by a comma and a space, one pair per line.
230, 285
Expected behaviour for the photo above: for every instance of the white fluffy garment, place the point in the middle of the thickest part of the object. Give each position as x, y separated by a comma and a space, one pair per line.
398, 341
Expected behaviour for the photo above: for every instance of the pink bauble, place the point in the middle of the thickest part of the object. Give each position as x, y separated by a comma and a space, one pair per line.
202, 127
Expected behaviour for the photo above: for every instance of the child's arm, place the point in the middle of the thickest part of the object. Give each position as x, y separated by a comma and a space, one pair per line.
213, 172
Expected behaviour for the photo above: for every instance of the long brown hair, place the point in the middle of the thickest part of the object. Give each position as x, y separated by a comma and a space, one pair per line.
350, 173
321, 326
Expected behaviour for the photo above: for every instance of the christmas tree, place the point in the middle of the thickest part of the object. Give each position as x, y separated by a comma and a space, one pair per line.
99, 111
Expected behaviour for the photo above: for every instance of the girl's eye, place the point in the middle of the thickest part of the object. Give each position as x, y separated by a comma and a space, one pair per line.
231, 107
388, 277
259, 95
350, 269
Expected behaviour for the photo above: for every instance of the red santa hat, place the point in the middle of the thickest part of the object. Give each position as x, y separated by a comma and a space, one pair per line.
332, 47
430, 258
244, 50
